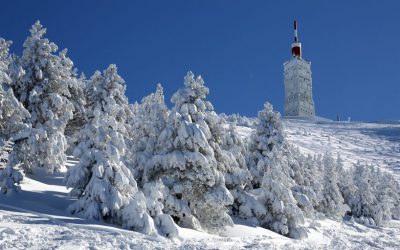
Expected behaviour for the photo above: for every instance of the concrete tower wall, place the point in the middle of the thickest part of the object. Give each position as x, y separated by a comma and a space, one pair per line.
298, 88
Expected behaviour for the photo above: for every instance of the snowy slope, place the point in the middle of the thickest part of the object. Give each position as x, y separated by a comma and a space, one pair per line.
376, 143
36, 217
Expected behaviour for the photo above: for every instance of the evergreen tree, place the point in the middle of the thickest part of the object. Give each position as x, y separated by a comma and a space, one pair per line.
388, 193
237, 176
13, 115
332, 203
236, 172
196, 194
77, 90
266, 159
102, 182
346, 183
13, 126
376, 198
10, 175
364, 202
42, 82
192, 103
148, 123
308, 188
145, 123
267, 136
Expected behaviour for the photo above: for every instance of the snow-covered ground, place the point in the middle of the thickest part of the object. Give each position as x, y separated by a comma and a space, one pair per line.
36, 218
375, 143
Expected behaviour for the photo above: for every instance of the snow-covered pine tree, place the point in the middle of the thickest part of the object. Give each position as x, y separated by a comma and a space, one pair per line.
388, 194
105, 187
10, 175
383, 193
196, 193
267, 136
131, 111
237, 176
148, 123
267, 160
42, 82
13, 115
364, 202
75, 85
77, 90
332, 203
346, 183
376, 198
5, 61
145, 123
5, 150
193, 103
308, 188
228, 147
13, 126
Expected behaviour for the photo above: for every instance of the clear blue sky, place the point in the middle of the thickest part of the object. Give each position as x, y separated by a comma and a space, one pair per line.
237, 46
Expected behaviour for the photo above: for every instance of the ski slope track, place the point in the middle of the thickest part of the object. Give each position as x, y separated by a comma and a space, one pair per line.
36, 218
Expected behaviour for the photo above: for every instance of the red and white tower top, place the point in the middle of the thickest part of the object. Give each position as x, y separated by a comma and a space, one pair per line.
296, 45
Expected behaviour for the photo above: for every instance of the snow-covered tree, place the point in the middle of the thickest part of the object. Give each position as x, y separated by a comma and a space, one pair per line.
191, 101
237, 175
14, 129
76, 85
273, 188
317, 187
383, 193
131, 111
5, 149
376, 198
239, 120
42, 82
77, 90
267, 136
13, 126
145, 122
155, 192
308, 188
346, 183
10, 175
5, 60
186, 162
388, 194
236, 172
13, 115
332, 203
105, 187
196, 195
229, 149
364, 202
148, 123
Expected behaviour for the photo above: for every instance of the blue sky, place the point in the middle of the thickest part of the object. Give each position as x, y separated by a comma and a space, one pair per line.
237, 46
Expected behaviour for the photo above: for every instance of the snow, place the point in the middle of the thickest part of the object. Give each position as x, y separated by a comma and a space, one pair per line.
374, 143
36, 218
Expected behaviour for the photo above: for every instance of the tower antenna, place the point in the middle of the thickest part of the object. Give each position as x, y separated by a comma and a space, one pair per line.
296, 45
